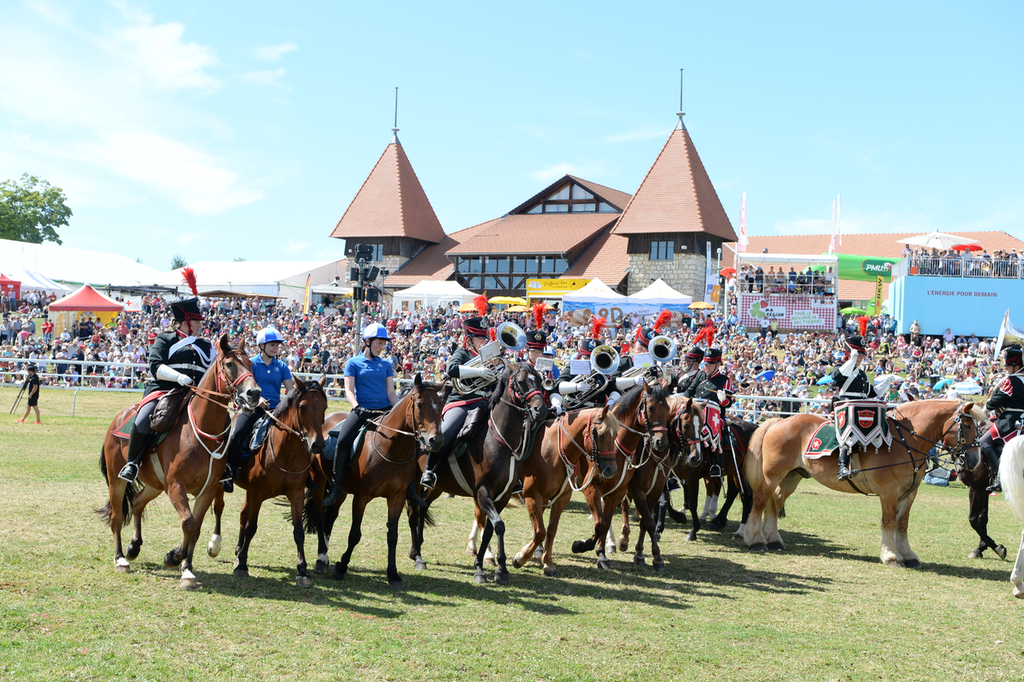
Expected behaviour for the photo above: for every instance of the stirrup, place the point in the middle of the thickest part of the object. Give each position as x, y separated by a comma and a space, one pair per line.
428, 480
129, 472
228, 486
996, 487
333, 493
228, 476
844, 473
715, 471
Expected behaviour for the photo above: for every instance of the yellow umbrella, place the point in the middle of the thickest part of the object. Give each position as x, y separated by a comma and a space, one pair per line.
507, 300
701, 305
517, 309
467, 308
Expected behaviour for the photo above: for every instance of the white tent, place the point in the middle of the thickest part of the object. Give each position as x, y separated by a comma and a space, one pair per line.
659, 293
596, 292
36, 281
66, 264
431, 293
275, 278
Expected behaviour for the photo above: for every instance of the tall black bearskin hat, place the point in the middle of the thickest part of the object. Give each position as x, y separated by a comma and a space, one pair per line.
713, 355
187, 308
1012, 355
695, 353
855, 343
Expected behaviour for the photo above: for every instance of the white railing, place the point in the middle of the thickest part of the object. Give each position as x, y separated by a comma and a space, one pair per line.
963, 267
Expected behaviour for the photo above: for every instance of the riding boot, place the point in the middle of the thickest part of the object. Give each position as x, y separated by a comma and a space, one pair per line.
335, 492
429, 479
138, 443
844, 463
993, 465
227, 479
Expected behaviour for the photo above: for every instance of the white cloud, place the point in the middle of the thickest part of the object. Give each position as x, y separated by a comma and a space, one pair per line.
272, 53
586, 170
265, 78
295, 247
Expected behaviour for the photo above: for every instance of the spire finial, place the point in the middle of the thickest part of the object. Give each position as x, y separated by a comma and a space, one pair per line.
395, 129
681, 113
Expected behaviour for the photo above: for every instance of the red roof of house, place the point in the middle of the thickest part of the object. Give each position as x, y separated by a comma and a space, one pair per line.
540, 233
606, 259
391, 203
88, 299
676, 195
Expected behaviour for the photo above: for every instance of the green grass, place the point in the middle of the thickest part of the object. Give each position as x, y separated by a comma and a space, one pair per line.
824, 610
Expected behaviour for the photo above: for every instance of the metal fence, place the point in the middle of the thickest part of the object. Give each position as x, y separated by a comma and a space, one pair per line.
1009, 268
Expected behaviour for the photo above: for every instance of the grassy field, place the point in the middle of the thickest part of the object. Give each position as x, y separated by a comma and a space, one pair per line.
824, 610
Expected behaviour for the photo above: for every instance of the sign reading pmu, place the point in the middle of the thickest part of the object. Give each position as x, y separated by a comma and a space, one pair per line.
877, 267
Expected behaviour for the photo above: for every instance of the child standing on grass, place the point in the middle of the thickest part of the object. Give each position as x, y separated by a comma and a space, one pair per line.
32, 384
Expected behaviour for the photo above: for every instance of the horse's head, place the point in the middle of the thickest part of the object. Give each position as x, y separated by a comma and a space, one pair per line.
686, 430
526, 391
960, 433
303, 410
232, 371
604, 429
655, 415
423, 413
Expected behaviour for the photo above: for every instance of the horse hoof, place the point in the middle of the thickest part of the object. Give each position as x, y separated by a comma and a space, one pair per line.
659, 566
480, 579
213, 549
759, 547
737, 535
338, 572
1018, 591
691, 536
776, 547
912, 563
188, 580
623, 544
550, 572
501, 577
490, 561
121, 565
241, 573
1001, 552
893, 562
579, 546
539, 552
171, 561
304, 581
396, 585
639, 561
975, 554
133, 550
604, 565
517, 562
321, 567
413, 554
421, 565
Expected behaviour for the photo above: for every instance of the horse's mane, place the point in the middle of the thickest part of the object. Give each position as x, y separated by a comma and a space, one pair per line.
293, 395
610, 424
499, 390
630, 396
977, 412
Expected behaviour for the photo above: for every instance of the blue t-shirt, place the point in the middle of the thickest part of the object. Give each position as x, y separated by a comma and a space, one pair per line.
270, 378
370, 381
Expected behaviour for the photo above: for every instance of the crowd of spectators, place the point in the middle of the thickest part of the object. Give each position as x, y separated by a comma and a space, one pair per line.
964, 263
808, 282
775, 368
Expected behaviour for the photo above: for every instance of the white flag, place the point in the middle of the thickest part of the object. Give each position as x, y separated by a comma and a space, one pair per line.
839, 226
742, 244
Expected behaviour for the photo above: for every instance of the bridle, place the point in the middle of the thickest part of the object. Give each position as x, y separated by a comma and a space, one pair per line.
303, 438
643, 419
519, 401
590, 451
410, 412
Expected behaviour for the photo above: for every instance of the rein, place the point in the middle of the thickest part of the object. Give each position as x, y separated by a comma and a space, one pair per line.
379, 423
571, 469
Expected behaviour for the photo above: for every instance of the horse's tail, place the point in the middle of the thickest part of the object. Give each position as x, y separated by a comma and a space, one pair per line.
1011, 475
130, 491
309, 512
753, 462
413, 496
417, 505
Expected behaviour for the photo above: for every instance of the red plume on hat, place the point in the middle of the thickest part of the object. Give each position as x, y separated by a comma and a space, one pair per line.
662, 320
189, 275
493, 333
538, 314
480, 303
596, 325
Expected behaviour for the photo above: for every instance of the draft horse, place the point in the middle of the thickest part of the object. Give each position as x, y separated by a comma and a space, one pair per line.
775, 465
973, 471
643, 414
386, 465
281, 466
491, 465
554, 471
188, 461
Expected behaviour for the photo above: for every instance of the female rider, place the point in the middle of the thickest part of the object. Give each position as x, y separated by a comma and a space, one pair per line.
370, 390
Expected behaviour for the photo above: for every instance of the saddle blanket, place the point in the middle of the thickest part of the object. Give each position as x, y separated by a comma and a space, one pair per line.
124, 431
258, 433
823, 442
863, 422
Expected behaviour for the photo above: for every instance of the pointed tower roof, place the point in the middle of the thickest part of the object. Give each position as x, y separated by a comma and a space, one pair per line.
391, 203
676, 195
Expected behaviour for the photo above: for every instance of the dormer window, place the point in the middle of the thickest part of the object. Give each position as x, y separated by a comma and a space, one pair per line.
571, 198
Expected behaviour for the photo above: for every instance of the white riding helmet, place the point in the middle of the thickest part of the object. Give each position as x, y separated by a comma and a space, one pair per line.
376, 331
268, 335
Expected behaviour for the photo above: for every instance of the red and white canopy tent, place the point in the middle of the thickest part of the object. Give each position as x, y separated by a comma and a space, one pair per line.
86, 300
9, 283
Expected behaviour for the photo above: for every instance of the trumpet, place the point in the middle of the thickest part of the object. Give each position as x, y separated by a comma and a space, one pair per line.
604, 361
509, 336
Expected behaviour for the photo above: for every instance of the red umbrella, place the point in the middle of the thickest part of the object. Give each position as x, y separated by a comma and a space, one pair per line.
727, 272
967, 247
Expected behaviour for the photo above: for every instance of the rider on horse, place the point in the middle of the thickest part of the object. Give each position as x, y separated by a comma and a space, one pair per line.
176, 358
1007, 404
691, 374
459, 405
853, 384
270, 373
370, 390
716, 389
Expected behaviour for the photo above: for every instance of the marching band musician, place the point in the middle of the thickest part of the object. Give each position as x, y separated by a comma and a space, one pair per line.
475, 336
577, 383
853, 384
716, 388
641, 344
1007, 406
691, 375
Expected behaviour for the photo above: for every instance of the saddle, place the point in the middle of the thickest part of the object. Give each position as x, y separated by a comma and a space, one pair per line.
168, 408
123, 432
258, 434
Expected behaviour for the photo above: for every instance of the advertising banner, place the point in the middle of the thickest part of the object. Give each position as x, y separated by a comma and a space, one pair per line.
963, 304
791, 312
578, 312
865, 268
878, 295
553, 287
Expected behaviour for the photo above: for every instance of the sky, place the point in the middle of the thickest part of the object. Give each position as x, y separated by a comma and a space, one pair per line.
226, 130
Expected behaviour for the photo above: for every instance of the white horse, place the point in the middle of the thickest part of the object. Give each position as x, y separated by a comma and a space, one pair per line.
1011, 474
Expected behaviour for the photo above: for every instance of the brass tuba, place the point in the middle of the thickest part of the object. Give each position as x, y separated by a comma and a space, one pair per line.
509, 336
604, 361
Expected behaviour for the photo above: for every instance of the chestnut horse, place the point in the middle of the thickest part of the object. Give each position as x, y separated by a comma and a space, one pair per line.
386, 466
643, 415
189, 461
281, 466
775, 464
491, 465
553, 471
973, 471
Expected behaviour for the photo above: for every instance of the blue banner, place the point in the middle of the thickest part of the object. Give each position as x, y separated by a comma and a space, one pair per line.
965, 305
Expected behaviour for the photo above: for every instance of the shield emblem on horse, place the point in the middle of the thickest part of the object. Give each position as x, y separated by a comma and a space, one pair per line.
711, 429
863, 422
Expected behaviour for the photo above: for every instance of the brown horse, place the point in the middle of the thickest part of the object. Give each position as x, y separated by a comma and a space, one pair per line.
189, 461
553, 471
776, 464
281, 466
974, 472
491, 465
386, 465
643, 415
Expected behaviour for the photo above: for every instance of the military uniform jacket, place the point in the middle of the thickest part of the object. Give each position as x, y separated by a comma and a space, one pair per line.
684, 382
1010, 397
709, 388
859, 388
462, 356
185, 354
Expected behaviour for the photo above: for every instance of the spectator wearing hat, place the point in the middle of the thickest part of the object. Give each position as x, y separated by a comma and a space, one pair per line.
32, 386
1006, 406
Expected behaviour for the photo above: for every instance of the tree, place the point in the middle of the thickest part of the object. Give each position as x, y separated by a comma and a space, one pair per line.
178, 261
239, 260
32, 210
